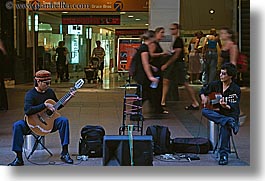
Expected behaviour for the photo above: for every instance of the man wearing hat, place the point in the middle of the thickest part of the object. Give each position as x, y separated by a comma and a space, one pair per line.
35, 102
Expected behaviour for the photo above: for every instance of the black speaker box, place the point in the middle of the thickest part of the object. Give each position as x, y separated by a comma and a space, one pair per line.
116, 151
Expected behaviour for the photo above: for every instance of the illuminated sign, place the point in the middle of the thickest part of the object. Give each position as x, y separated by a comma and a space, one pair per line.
91, 19
130, 31
89, 5
126, 49
75, 29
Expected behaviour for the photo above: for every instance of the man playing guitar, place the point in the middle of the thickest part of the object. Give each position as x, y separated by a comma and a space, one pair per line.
228, 113
35, 102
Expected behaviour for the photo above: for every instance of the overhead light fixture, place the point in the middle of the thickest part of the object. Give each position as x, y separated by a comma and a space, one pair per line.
211, 11
36, 22
130, 16
122, 12
137, 19
64, 12
146, 24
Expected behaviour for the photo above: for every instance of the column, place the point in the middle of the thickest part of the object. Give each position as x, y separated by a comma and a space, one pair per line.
164, 13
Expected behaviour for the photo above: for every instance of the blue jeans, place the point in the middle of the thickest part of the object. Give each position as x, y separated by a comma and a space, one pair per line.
20, 128
225, 129
209, 67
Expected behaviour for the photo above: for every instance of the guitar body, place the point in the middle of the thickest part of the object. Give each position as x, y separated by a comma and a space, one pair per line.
215, 97
213, 101
41, 123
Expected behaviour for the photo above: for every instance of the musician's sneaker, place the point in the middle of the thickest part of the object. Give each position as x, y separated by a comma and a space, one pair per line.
67, 159
16, 162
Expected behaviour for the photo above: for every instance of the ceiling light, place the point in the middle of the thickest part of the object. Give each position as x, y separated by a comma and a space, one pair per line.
130, 16
146, 24
137, 19
122, 12
64, 12
211, 11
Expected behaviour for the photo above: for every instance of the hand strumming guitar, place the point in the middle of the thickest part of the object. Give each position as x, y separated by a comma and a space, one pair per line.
49, 106
224, 104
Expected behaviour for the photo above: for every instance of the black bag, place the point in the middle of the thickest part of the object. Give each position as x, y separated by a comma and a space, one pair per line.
91, 141
161, 138
191, 145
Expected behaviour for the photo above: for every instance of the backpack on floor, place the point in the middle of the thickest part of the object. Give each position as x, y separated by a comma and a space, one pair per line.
161, 138
91, 141
196, 145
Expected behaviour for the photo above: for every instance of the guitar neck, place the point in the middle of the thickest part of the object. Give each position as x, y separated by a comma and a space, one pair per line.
63, 99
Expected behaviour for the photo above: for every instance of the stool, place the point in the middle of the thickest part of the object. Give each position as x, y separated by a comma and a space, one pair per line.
39, 140
231, 140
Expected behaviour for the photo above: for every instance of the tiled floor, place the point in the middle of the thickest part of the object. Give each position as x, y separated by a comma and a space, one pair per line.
98, 104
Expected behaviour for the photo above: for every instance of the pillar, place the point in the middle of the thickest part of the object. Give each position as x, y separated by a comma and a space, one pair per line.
164, 13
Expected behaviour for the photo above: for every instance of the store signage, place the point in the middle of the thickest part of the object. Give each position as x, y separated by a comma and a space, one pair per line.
90, 5
126, 49
91, 19
119, 32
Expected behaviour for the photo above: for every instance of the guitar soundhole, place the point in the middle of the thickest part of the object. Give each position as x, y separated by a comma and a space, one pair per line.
49, 112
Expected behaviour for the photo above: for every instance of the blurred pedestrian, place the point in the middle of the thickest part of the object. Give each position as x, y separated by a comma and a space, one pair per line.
210, 56
175, 68
99, 52
195, 67
157, 59
144, 75
3, 94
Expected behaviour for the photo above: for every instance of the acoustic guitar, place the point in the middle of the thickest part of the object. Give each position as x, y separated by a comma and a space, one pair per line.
214, 98
41, 123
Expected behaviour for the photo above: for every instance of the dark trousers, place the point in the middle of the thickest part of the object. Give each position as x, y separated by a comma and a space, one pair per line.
20, 128
66, 71
156, 96
225, 130
153, 95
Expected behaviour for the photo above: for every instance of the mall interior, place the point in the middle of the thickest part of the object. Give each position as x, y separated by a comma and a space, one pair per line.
32, 29
31, 33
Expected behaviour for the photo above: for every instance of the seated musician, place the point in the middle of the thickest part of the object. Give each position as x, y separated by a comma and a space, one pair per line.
34, 103
226, 112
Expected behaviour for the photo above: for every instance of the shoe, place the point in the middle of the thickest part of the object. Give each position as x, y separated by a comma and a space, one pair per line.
67, 159
164, 112
223, 160
191, 107
16, 162
235, 127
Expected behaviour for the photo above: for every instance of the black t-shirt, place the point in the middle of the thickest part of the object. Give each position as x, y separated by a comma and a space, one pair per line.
178, 43
61, 56
233, 89
141, 76
157, 61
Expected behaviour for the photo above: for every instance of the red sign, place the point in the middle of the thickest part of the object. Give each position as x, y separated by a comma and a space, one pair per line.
130, 31
91, 19
126, 50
